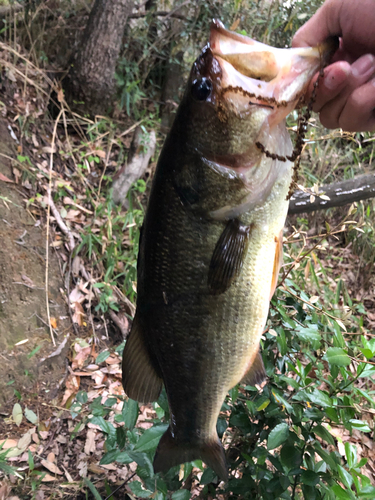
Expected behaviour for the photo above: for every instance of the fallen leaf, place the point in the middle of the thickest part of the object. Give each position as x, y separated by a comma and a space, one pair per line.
17, 414
25, 440
51, 467
8, 443
53, 322
48, 478
5, 179
90, 441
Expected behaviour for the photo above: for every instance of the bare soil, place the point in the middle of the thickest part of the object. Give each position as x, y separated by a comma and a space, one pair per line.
23, 309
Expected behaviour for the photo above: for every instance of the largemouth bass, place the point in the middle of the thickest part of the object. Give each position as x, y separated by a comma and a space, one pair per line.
211, 243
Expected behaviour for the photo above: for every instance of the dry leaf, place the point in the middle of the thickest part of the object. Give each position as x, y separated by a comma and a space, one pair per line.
5, 179
53, 322
48, 478
51, 467
5, 490
60, 95
90, 441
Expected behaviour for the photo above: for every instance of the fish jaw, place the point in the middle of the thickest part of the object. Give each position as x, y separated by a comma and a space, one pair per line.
271, 75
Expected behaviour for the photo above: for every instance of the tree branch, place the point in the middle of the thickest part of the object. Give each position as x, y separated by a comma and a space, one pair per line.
339, 193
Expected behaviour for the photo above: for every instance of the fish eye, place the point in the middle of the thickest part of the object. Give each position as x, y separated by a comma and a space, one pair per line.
201, 89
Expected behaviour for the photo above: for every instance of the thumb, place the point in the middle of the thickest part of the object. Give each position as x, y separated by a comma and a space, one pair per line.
325, 23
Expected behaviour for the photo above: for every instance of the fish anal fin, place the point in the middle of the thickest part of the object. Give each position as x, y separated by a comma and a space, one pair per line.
139, 376
171, 452
228, 256
256, 373
277, 262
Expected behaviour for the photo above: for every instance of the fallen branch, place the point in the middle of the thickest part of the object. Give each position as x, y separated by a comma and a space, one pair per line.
141, 150
339, 194
64, 228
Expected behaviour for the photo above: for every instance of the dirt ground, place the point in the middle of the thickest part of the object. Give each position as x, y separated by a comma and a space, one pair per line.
24, 332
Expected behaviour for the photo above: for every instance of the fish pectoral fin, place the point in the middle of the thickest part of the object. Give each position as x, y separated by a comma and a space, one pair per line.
256, 373
171, 452
228, 256
139, 376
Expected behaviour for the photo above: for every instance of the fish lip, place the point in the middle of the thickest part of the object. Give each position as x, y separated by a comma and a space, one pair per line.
279, 75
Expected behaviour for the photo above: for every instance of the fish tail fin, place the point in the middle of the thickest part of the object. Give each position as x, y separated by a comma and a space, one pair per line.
170, 453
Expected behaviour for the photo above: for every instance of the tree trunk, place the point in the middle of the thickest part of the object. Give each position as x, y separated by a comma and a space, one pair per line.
339, 194
91, 76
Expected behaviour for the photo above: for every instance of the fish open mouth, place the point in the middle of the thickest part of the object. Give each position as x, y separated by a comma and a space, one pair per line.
271, 75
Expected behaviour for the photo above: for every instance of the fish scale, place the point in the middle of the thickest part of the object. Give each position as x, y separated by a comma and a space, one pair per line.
210, 247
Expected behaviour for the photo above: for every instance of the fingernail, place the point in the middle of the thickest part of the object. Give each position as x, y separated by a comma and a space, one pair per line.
333, 79
363, 64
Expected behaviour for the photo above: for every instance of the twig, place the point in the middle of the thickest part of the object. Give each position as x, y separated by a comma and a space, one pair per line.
64, 228
48, 221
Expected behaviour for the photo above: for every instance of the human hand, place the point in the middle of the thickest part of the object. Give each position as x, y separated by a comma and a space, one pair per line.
346, 94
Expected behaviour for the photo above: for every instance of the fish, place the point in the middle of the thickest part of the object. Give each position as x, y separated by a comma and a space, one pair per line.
211, 242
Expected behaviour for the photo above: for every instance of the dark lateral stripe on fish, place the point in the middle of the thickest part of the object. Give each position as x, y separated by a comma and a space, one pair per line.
170, 452
228, 256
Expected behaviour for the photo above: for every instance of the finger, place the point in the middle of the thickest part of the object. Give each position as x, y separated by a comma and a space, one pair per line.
324, 23
334, 81
358, 114
361, 72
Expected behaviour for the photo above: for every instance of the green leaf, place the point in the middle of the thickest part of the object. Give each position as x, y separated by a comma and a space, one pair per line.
150, 438
337, 356
102, 357
208, 476
130, 413
278, 436
31, 417
351, 454
109, 457
345, 476
137, 489
290, 456
181, 495
121, 436
105, 426
308, 334
320, 398
17, 414
92, 488
323, 433
143, 461
327, 457
263, 404
310, 478
341, 494
360, 425
123, 458
366, 352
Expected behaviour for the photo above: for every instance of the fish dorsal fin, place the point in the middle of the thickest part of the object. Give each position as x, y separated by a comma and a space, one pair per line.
256, 373
277, 262
228, 256
139, 376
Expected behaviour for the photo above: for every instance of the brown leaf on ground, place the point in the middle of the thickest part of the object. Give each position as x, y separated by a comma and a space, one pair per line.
4, 178
72, 387
5, 490
51, 467
90, 441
